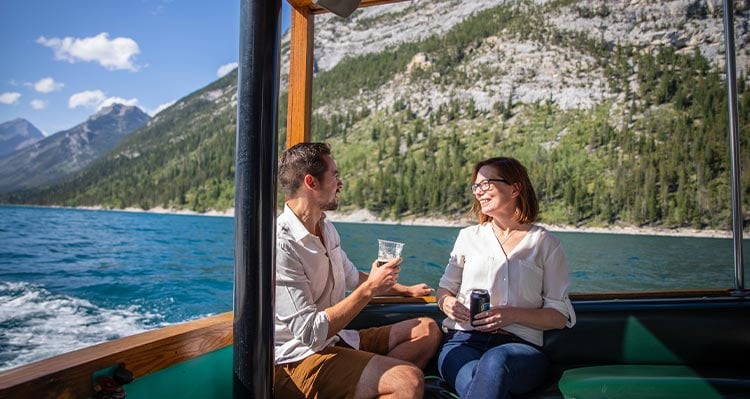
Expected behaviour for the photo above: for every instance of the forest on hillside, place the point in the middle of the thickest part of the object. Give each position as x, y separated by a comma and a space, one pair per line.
657, 156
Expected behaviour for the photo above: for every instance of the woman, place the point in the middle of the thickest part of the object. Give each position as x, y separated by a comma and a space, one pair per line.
524, 269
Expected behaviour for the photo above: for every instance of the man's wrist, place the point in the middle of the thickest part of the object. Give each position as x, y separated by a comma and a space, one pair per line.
366, 289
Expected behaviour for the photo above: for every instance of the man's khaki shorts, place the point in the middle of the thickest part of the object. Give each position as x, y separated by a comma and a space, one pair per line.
333, 372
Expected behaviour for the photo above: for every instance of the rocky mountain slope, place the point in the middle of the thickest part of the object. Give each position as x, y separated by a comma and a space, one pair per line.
66, 152
685, 24
17, 134
524, 67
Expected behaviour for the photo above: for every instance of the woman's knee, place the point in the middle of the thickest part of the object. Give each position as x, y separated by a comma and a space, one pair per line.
495, 359
510, 357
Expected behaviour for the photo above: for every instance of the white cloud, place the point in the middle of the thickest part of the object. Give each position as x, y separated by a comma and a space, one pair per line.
96, 99
47, 85
117, 100
88, 99
226, 68
161, 108
10, 97
114, 54
38, 104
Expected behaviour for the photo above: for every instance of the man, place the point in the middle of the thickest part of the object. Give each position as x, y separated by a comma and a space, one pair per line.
314, 355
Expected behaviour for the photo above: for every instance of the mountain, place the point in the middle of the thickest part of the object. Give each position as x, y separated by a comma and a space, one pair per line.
183, 158
616, 108
64, 153
17, 134
683, 25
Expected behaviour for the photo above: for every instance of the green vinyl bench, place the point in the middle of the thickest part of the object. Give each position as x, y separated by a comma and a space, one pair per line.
658, 348
694, 347
625, 381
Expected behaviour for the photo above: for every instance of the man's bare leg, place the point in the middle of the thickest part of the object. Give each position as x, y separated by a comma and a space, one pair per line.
415, 340
387, 377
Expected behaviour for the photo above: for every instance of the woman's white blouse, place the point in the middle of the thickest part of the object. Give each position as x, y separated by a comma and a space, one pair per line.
534, 275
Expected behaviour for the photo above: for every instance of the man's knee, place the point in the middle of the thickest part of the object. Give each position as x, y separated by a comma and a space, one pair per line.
417, 329
411, 380
429, 329
389, 376
428, 325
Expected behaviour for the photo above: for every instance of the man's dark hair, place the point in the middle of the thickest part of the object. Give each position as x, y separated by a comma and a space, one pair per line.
300, 160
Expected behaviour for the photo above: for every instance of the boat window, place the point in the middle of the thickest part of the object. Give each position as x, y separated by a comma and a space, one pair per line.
618, 111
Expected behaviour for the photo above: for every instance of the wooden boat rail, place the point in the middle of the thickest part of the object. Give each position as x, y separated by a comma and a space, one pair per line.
70, 375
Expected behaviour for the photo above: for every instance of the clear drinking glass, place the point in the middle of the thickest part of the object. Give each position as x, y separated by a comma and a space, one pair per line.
388, 250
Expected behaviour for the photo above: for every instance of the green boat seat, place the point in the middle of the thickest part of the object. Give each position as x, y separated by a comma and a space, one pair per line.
650, 381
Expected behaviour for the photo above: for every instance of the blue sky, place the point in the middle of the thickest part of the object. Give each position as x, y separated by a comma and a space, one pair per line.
64, 60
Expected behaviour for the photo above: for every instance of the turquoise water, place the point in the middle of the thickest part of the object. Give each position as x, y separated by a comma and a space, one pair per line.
72, 278
598, 262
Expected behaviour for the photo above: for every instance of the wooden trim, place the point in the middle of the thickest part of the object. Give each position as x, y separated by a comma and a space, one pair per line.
364, 3
667, 294
70, 375
299, 101
400, 299
591, 296
300, 3
299, 106
314, 8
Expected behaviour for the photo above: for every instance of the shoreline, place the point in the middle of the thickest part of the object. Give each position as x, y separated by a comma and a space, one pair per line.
366, 217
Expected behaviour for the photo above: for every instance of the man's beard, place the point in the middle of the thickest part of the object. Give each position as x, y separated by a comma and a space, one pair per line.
331, 205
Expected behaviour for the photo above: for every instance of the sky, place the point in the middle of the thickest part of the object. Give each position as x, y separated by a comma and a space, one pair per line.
63, 60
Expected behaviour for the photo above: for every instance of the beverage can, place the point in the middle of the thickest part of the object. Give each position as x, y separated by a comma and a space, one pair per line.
479, 302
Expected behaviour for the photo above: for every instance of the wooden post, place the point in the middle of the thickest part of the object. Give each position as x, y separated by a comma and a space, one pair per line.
299, 108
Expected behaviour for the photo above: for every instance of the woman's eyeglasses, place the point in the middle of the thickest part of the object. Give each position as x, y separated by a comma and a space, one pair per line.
484, 185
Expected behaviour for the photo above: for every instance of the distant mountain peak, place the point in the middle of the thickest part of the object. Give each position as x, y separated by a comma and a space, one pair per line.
17, 120
115, 109
17, 134
66, 152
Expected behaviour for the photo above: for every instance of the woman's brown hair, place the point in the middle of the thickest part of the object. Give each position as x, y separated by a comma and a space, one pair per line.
527, 205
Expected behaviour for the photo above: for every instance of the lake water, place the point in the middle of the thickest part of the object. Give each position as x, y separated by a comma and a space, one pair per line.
72, 278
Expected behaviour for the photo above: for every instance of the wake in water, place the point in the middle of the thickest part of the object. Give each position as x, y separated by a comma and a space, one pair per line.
37, 324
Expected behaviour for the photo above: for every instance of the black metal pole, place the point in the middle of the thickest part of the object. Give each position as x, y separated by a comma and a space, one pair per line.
734, 146
255, 197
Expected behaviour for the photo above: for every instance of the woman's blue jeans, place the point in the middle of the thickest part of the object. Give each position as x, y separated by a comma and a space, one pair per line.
483, 365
